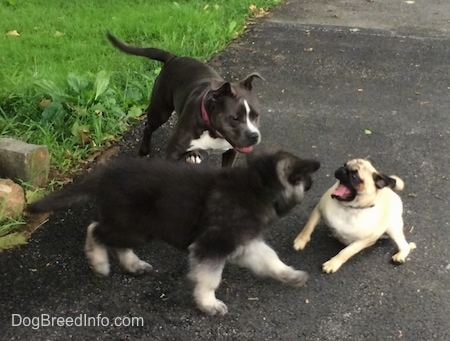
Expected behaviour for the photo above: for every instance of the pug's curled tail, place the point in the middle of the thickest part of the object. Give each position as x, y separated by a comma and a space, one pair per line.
399, 184
70, 196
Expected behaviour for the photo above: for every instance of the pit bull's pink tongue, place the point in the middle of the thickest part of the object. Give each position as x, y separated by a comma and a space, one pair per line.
341, 191
244, 150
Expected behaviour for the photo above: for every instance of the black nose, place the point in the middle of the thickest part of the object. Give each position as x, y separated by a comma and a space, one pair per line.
308, 183
253, 137
340, 173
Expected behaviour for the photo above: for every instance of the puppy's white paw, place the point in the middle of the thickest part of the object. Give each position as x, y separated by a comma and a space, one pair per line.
295, 278
101, 269
400, 257
140, 268
332, 265
131, 263
300, 242
213, 307
194, 159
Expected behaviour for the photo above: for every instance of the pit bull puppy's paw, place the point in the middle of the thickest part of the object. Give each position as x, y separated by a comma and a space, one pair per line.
194, 158
332, 265
300, 242
213, 307
400, 257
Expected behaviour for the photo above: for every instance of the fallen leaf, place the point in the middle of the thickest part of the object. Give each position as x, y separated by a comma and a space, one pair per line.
12, 33
45, 103
409, 2
367, 131
308, 49
354, 30
257, 12
58, 34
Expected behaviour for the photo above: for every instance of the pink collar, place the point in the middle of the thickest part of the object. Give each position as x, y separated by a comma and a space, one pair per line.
205, 117
205, 114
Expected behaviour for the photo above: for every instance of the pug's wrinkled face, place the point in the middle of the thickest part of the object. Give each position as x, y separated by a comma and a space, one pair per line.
359, 182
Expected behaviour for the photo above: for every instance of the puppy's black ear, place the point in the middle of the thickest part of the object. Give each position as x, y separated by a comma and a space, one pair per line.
382, 181
222, 91
247, 82
310, 166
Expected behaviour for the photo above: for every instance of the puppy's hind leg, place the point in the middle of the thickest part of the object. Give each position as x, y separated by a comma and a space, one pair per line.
305, 235
96, 252
131, 263
263, 260
158, 113
206, 276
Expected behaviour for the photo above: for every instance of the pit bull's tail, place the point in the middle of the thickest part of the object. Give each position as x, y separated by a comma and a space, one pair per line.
70, 196
149, 52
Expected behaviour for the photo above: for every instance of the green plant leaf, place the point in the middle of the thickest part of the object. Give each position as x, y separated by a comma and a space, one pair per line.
134, 111
77, 83
54, 112
232, 26
101, 83
12, 239
51, 89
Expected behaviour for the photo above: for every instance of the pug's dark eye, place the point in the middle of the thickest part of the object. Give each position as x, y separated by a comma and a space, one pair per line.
354, 175
235, 118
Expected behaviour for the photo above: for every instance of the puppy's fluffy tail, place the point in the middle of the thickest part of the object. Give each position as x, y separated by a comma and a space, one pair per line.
67, 197
149, 52
399, 184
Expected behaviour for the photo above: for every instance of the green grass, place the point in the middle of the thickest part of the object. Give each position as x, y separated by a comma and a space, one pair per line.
63, 85
48, 73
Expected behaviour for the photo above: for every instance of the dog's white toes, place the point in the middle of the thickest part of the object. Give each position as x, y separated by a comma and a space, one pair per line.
213, 308
300, 243
194, 159
131, 263
101, 269
400, 257
295, 278
331, 266
140, 268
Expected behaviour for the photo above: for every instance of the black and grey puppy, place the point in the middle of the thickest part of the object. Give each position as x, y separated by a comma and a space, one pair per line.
217, 215
213, 114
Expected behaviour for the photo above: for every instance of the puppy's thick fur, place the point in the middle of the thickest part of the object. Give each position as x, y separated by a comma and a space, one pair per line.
213, 114
217, 215
359, 209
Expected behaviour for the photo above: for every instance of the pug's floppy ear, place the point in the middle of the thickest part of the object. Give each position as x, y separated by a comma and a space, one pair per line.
382, 180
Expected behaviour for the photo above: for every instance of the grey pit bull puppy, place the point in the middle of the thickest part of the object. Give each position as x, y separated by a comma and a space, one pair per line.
214, 115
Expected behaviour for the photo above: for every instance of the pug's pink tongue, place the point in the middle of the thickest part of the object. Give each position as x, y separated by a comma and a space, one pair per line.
244, 150
341, 191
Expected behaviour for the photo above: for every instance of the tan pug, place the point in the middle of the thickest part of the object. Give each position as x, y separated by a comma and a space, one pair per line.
359, 209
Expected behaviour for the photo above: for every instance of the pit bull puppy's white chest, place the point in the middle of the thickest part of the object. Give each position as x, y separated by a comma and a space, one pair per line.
208, 143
